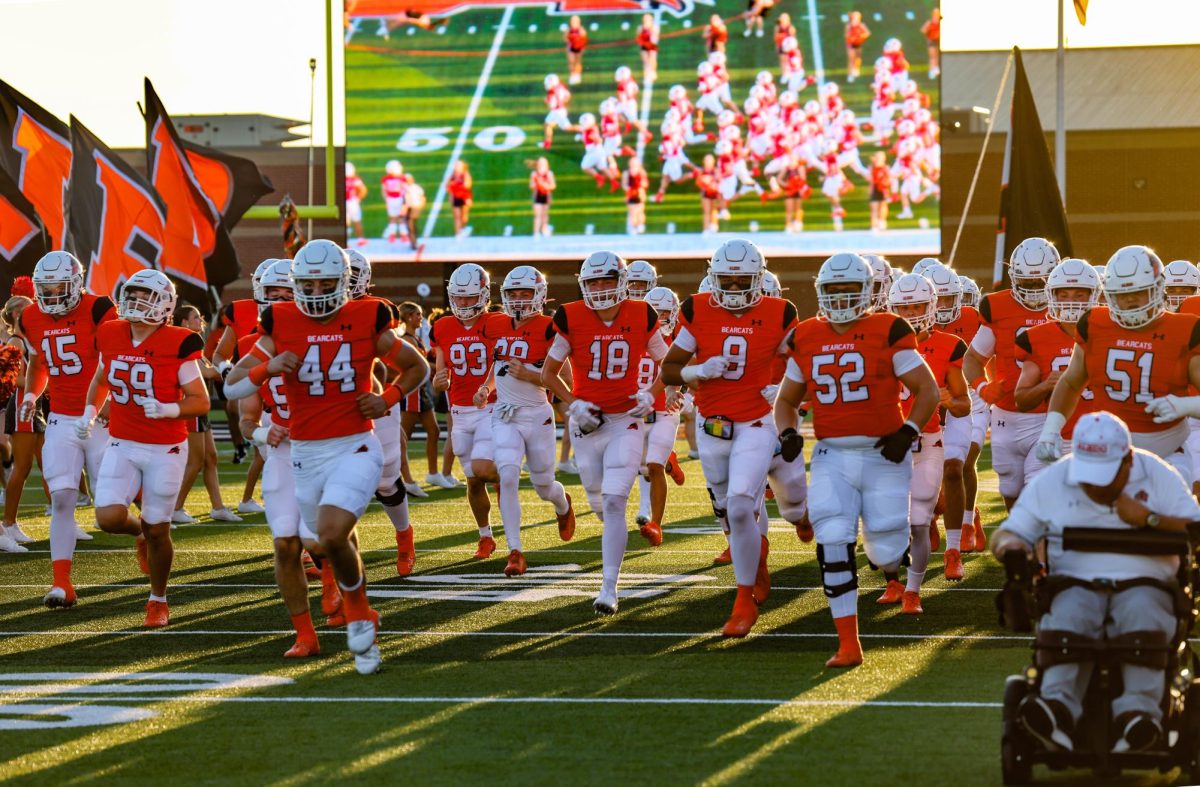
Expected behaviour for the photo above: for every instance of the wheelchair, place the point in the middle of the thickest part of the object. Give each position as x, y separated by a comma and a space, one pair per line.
1028, 593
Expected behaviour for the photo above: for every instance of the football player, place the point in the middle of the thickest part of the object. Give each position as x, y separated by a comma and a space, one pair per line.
149, 370
604, 334
660, 427
463, 364
734, 336
640, 279
853, 364
325, 346
1139, 358
1003, 314
61, 336
522, 421
1183, 284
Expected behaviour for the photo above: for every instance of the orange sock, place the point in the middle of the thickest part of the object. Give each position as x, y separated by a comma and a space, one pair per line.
304, 626
62, 573
744, 598
327, 578
357, 607
847, 629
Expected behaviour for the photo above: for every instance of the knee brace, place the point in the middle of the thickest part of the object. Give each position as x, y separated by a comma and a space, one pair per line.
847, 564
719, 512
392, 498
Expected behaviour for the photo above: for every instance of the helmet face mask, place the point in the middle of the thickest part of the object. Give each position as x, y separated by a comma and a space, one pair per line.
147, 297
470, 291
883, 278
1182, 282
970, 292
603, 280
666, 303
1072, 288
1029, 268
523, 292
360, 273
641, 278
57, 283
274, 284
321, 275
770, 285
912, 297
1134, 287
947, 292
736, 273
844, 285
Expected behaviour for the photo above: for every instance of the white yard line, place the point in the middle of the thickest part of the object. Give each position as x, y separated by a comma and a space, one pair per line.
430, 581
465, 130
815, 32
647, 91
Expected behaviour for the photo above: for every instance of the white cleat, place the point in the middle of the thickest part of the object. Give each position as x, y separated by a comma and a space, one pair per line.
83, 502
17, 534
368, 663
439, 480
224, 515
606, 602
569, 467
7, 544
56, 598
360, 635
250, 507
415, 490
81, 534
182, 517
451, 481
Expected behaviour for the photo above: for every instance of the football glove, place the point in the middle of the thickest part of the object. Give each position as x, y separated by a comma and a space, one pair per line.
1049, 444
1165, 409
156, 410
791, 444
584, 413
710, 369
83, 426
895, 446
770, 392
28, 404
505, 411
643, 404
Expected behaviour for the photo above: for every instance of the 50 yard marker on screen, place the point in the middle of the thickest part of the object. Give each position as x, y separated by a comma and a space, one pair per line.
482, 130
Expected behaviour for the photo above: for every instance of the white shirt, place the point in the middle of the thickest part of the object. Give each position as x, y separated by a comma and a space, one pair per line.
1050, 503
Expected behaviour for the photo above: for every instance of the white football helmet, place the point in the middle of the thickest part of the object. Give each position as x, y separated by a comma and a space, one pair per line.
913, 289
736, 258
771, 286
351, 171
609, 106
704, 69
623, 74
469, 281
277, 274
924, 264
155, 305
523, 277
1029, 266
705, 285
57, 282
318, 261
1071, 273
360, 273
883, 277
256, 290
716, 58
642, 278
1100, 272
393, 168
891, 45
551, 81
1183, 277
1135, 269
843, 307
971, 293
666, 303
604, 265
948, 290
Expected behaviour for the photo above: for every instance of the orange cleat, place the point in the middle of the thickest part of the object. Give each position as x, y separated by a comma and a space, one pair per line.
331, 596
674, 470
143, 556
910, 603
566, 522
804, 529
337, 619
157, 614
745, 614
303, 649
60, 596
967, 539
723, 559
845, 658
762, 579
849, 652
406, 554
953, 565
487, 545
516, 564
980, 537
652, 533
769, 493
310, 568
892, 593
935, 537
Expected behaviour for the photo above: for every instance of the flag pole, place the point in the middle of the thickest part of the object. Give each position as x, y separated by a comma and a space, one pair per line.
312, 93
1060, 118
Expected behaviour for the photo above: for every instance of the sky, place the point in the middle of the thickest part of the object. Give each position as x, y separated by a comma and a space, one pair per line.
88, 57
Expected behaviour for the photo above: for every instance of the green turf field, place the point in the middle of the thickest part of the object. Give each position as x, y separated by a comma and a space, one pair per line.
407, 97
495, 680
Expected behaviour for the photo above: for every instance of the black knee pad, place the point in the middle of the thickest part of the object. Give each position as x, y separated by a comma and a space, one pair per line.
720, 513
847, 563
392, 498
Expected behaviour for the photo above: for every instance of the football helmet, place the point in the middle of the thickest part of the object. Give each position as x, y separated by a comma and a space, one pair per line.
57, 282
771, 286
277, 274
666, 303
1135, 269
1071, 273
1181, 274
609, 106
1100, 272
393, 168
256, 289
156, 306
321, 260
883, 277
1029, 265
705, 285
913, 289
704, 69
891, 45
587, 120
945, 285
551, 81
924, 264
469, 281
751, 106
360, 273
351, 170
641, 278
843, 307
623, 74
971, 293
523, 277
604, 265
716, 58
736, 258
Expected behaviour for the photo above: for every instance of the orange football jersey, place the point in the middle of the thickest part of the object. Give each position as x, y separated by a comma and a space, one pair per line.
147, 370
605, 358
241, 315
468, 355
1129, 367
942, 352
271, 392
852, 385
1050, 347
965, 326
1001, 312
1190, 305
751, 338
336, 360
67, 346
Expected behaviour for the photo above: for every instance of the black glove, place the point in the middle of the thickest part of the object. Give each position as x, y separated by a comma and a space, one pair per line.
791, 444
894, 446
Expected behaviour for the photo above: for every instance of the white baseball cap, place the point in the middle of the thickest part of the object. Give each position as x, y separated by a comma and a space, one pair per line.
1098, 446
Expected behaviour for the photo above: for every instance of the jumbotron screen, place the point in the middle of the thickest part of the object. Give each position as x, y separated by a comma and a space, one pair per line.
483, 130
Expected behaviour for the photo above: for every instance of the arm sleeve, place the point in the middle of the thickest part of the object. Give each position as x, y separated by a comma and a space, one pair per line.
656, 347
192, 347
684, 340
984, 342
904, 361
560, 349
188, 371
794, 372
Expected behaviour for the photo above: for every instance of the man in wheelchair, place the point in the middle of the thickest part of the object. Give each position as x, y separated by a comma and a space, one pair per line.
1106, 495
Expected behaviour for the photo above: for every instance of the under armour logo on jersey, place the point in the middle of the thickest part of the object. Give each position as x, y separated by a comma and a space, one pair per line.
1160, 337
295, 465
174, 450
860, 337
822, 451
345, 327
756, 322
626, 329
999, 423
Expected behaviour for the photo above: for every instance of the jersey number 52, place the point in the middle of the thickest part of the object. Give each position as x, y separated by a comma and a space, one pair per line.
850, 368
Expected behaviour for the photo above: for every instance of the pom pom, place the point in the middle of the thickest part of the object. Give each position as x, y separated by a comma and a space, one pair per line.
22, 285
10, 367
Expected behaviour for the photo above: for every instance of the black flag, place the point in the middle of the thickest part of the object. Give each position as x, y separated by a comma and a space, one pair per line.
1030, 203
233, 183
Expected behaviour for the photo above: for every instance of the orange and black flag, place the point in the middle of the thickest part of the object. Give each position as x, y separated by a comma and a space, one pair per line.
198, 254
116, 222
1081, 11
233, 183
23, 238
35, 151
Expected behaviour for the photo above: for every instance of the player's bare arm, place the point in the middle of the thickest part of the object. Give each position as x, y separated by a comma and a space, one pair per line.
1069, 386
36, 378
402, 357
954, 397
226, 347
672, 366
924, 389
195, 398
1031, 389
974, 365
441, 374
554, 380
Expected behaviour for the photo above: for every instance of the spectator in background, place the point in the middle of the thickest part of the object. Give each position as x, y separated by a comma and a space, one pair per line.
758, 10
857, 34
933, 34
710, 194
647, 40
577, 39
356, 192
715, 34
542, 184
881, 190
202, 450
26, 436
784, 29
635, 181
392, 184
461, 197
414, 203
418, 406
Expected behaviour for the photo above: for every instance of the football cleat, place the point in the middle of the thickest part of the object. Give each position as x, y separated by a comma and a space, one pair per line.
143, 556
892, 593
157, 614
81, 534
674, 470
487, 545
516, 564
953, 565
723, 559
762, 580
302, 649
310, 568
641, 520
59, 598
360, 634
652, 532
910, 603
845, 657
368, 662
804, 529
980, 537
744, 616
566, 522
406, 553
337, 619
606, 602
967, 539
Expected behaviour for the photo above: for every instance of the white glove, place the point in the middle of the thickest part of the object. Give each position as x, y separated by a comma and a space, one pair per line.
259, 436
27, 406
83, 427
584, 413
675, 399
506, 410
643, 404
1166, 409
223, 369
770, 392
156, 410
1049, 444
711, 369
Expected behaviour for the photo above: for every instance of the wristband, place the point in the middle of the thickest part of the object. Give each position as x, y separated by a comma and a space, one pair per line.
89, 413
30, 398
259, 435
1054, 422
259, 374
978, 383
392, 395
690, 374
